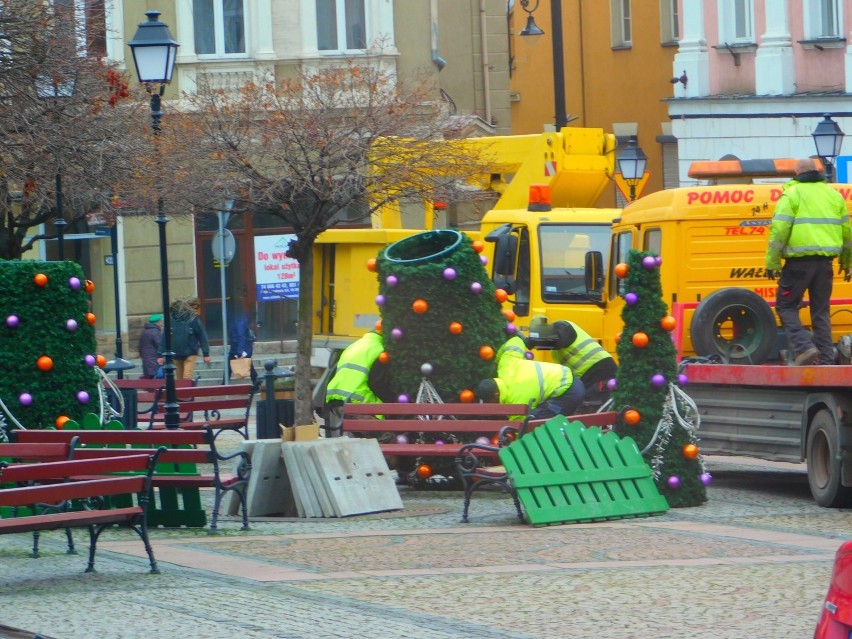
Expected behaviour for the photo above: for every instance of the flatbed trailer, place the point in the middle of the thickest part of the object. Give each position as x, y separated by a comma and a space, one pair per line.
780, 413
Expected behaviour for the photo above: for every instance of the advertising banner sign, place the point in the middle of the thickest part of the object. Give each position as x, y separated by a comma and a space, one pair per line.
276, 275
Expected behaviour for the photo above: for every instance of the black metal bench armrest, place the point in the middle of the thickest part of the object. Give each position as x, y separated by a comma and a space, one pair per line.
466, 459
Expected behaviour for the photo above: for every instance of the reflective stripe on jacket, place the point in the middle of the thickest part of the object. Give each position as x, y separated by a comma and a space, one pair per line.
350, 381
583, 353
522, 380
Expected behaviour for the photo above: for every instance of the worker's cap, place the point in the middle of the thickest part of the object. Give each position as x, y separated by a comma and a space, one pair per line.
486, 390
156, 317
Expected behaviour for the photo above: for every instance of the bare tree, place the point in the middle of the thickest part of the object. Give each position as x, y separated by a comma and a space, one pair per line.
64, 112
348, 138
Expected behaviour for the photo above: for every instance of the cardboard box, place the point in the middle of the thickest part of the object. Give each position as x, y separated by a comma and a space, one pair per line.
305, 433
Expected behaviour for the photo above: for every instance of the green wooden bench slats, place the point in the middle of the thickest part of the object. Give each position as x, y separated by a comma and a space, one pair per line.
565, 472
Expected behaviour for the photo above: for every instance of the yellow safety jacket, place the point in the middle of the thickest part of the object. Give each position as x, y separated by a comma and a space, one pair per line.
523, 380
350, 381
583, 353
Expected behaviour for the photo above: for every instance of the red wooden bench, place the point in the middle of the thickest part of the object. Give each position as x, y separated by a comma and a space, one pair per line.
202, 406
196, 447
149, 395
47, 488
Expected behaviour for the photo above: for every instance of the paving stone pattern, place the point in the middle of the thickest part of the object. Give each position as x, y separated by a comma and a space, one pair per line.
754, 562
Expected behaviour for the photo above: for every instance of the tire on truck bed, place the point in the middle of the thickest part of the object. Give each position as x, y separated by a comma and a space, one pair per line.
735, 324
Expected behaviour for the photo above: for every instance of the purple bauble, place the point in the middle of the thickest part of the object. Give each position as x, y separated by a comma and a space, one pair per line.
396, 333
402, 399
658, 380
682, 380
391, 280
74, 283
612, 384
449, 273
658, 260
483, 259
511, 328
529, 355
439, 442
426, 369
706, 478
401, 439
631, 298
90, 360
674, 482
12, 321
380, 300
649, 262
25, 398
71, 324
83, 397
484, 441
476, 288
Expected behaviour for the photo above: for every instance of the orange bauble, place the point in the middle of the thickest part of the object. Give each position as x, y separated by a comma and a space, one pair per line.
501, 295
668, 323
61, 421
455, 328
40, 279
486, 352
617, 338
495, 441
371, 265
384, 357
101, 360
44, 363
89, 286
509, 314
478, 246
690, 451
91, 319
640, 339
632, 417
621, 270
467, 396
420, 306
424, 471
378, 326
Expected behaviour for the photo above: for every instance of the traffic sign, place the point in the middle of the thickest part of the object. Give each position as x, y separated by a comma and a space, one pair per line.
230, 247
624, 187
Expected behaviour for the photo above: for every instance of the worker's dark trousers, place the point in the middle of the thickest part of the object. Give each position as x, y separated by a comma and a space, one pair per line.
813, 275
564, 404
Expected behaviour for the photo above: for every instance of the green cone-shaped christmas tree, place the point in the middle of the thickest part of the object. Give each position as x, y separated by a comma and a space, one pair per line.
660, 418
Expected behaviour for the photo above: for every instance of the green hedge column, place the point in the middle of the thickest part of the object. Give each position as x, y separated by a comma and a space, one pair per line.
438, 307
47, 343
647, 381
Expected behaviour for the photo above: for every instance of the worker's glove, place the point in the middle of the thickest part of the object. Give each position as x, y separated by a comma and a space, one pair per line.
771, 274
847, 274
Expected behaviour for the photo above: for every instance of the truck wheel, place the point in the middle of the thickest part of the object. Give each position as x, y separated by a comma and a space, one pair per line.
736, 324
824, 466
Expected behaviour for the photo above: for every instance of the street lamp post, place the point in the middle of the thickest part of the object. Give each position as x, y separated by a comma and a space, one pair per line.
154, 52
631, 164
532, 29
828, 139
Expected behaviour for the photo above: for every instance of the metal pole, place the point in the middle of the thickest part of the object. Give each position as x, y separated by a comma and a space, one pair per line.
829, 170
558, 65
118, 345
59, 222
171, 406
222, 284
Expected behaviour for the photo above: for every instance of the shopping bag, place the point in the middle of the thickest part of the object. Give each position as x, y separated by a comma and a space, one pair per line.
240, 368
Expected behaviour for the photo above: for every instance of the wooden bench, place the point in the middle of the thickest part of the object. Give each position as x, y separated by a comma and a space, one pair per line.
149, 395
49, 490
459, 420
474, 472
202, 406
175, 469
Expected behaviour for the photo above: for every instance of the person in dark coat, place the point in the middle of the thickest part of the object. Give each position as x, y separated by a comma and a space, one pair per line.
188, 335
241, 340
149, 346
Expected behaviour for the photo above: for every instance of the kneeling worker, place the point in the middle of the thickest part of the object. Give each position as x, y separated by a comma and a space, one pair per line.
350, 382
587, 359
551, 388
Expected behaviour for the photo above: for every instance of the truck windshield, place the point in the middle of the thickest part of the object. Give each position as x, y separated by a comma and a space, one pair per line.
563, 260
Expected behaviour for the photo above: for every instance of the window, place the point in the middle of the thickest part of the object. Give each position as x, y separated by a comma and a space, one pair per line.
564, 248
736, 21
622, 34
822, 19
341, 25
669, 22
219, 27
621, 245
652, 240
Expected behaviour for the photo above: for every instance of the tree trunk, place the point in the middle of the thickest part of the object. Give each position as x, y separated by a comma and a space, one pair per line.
304, 400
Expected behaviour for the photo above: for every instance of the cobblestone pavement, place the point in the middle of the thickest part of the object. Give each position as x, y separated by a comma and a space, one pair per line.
754, 562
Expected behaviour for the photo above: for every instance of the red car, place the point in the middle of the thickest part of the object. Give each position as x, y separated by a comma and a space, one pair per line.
836, 619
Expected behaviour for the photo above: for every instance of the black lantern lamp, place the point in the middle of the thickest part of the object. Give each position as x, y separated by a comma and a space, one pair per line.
532, 29
631, 164
828, 139
154, 54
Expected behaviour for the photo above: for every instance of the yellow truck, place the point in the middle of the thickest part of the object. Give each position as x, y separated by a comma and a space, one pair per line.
558, 259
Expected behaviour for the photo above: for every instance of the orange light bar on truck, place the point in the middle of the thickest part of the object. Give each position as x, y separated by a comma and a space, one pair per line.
708, 170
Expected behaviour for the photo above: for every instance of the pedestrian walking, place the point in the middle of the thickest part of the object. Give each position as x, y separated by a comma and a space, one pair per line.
241, 338
149, 346
809, 230
188, 336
